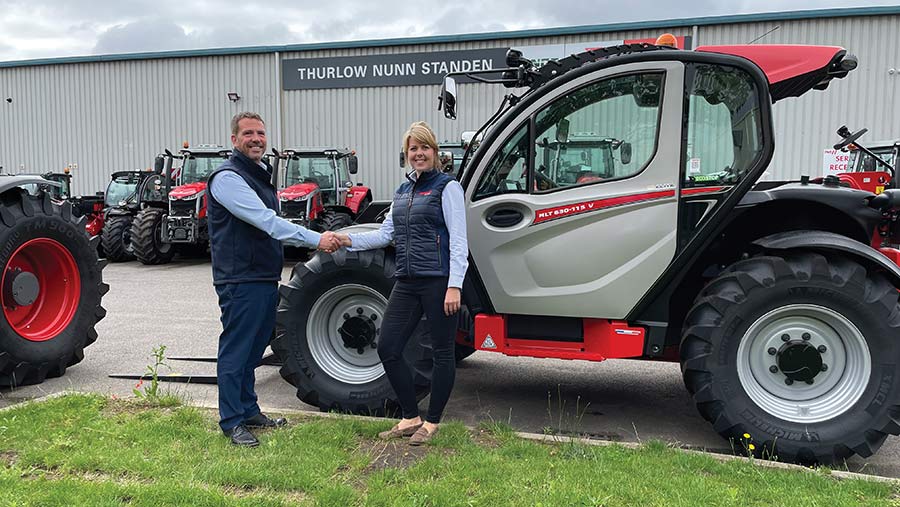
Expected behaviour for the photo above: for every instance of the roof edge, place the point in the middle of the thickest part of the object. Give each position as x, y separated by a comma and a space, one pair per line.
471, 37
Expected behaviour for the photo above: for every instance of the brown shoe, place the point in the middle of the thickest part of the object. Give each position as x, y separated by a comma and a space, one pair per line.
396, 431
422, 436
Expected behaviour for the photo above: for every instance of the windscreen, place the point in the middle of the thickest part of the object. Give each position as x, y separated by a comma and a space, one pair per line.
198, 169
121, 188
863, 162
316, 169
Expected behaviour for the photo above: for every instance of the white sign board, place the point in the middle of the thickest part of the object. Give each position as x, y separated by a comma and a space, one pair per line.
834, 162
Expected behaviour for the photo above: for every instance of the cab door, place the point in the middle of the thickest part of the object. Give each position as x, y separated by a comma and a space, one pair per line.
548, 241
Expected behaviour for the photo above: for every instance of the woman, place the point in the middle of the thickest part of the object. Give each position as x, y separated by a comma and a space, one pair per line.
427, 224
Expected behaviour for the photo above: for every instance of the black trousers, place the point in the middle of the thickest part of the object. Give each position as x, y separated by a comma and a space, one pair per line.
409, 299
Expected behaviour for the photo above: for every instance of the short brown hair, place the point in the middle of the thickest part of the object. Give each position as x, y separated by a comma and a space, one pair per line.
421, 133
246, 115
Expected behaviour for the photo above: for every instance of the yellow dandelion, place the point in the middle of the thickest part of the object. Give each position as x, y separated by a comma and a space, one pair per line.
746, 435
751, 447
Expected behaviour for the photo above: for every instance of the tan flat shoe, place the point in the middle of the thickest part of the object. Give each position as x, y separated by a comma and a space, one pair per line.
396, 431
422, 436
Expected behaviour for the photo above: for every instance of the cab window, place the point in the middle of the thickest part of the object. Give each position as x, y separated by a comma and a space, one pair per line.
724, 133
604, 131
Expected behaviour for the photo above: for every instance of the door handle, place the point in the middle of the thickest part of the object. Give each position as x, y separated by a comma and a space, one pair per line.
505, 217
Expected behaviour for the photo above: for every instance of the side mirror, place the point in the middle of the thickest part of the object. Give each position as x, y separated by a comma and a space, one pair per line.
445, 158
447, 99
625, 153
402, 159
354, 164
562, 131
159, 164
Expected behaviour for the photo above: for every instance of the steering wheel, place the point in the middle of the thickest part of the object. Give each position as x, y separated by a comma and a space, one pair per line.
849, 139
316, 174
542, 180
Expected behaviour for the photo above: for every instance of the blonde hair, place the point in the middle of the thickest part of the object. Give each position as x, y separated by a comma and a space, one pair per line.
420, 132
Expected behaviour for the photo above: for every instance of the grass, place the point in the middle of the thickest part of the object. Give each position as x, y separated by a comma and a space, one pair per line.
90, 450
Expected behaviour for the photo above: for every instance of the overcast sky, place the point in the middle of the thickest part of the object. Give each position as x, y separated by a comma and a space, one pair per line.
55, 28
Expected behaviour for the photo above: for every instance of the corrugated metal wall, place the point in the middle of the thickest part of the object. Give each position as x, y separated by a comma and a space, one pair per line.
110, 116
116, 116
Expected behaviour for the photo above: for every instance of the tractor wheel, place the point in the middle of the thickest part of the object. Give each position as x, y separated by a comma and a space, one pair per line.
327, 328
51, 288
146, 237
333, 220
801, 353
116, 238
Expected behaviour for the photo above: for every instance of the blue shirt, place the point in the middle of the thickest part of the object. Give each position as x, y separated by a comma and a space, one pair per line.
241, 201
453, 207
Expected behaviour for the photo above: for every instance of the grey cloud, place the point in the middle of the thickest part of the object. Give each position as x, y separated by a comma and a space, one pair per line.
143, 35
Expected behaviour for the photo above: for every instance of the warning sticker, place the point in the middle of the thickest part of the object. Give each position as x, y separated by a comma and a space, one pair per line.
488, 343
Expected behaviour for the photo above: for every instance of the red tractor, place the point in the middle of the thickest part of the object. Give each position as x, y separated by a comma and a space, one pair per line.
316, 190
173, 211
873, 169
870, 168
51, 283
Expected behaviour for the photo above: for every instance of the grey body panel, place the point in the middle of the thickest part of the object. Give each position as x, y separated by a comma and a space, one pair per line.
8, 182
596, 264
821, 240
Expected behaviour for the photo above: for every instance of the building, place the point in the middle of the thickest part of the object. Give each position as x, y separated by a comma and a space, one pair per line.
116, 112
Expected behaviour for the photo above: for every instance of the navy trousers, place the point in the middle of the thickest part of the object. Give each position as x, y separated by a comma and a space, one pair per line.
248, 319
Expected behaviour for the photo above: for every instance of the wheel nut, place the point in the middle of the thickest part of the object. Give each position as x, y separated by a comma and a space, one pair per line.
822, 349
359, 311
806, 337
788, 381
773, 369
374, 317
824, 367
772, 351
785, 338
374, 345
346, 316
359, 350
810, 381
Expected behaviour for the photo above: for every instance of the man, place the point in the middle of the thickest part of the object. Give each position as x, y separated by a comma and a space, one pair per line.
245, 236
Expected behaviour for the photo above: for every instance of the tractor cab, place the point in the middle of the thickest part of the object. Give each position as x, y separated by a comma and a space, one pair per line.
62, 189
122, 189
581, 158
315, 186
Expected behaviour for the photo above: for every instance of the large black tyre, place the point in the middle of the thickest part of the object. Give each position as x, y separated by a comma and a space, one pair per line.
52, 288
801, 353
330, 220
116, 238
146, 237
325, 336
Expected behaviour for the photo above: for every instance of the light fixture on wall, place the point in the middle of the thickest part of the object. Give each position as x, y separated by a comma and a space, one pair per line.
233, 96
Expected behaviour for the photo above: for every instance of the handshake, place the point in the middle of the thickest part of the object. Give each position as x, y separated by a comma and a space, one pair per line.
330, 241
